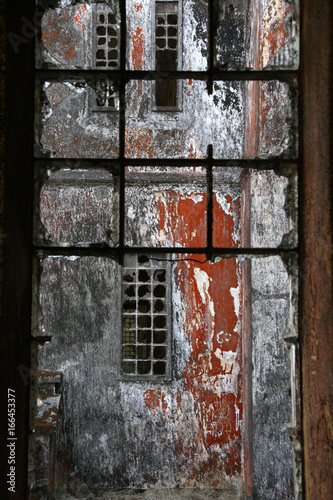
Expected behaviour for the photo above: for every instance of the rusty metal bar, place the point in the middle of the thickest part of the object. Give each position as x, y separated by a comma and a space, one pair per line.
122, 128
230, 75
257, 163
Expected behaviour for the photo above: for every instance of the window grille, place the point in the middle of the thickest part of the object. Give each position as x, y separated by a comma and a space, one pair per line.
106, 41
167, 54
146, 335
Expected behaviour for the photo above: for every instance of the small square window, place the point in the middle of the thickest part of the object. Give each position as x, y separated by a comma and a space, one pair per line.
146, 332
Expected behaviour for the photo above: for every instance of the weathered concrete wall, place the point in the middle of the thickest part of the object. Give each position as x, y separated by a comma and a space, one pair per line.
257, 34
273, 209
78, 207
271, 316
166, 207
186, 433
192, 55
70, 128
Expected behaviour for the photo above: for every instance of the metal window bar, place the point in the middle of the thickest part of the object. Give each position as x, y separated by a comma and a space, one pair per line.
121, 76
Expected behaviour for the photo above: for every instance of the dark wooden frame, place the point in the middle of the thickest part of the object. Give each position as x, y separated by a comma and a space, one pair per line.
316, 307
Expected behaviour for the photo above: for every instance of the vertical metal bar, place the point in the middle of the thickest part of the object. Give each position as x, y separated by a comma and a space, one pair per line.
122, 128
209, 242
212, 5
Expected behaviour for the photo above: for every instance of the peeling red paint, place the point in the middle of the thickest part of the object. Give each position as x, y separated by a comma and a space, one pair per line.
155, 400
77, 18
57, 35
224, 224
210, 443
137, 7
138, 142
217, 424
137, 52
182, 218
275, 31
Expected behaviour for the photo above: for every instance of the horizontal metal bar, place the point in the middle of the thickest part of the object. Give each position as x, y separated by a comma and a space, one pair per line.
263, 163
250, 75
115, 252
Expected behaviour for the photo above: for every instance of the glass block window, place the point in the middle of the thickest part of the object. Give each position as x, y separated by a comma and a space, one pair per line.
146, 345
106, 46
167, 50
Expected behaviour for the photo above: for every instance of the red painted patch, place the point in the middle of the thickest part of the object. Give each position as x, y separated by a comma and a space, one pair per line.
137, 51
155, 400
182, 219
206, 415
224, 224
78, 17
276, 32
137, 7
205, 372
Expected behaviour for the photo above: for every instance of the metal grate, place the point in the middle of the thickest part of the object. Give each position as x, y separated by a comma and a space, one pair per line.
166, 92
145, 317
106, 46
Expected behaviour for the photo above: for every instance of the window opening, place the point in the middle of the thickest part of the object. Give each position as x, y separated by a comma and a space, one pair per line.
146, 334
144, 339
167, 50
104, 96
106, 40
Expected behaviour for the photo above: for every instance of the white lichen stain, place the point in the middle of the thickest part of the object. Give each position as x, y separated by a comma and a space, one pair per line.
224, 204
237, 417
202, 280
130, 213
234, 292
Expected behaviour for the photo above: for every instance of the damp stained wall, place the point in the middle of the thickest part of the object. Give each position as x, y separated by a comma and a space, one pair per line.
70, 126
187, 432
182, 433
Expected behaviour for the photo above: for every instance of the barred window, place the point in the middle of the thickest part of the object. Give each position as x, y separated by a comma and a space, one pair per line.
167, 53
106, 39
146, 335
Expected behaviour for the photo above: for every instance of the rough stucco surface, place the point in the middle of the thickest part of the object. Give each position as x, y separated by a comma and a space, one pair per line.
272, 448
78, 207
166, 207
66, 34
273, 221
69, 127
187, 432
